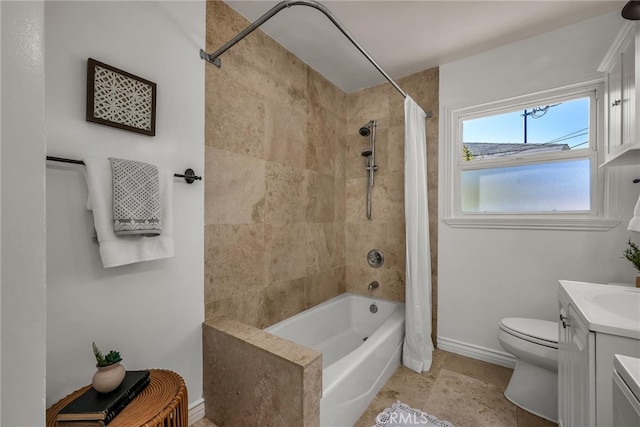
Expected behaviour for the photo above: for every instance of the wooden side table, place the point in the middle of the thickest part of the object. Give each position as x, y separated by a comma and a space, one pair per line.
163, 403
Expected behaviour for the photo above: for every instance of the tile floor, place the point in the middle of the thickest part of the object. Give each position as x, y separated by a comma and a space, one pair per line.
464, 391
458, 389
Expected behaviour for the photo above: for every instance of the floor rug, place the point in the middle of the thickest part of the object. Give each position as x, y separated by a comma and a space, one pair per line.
402, 415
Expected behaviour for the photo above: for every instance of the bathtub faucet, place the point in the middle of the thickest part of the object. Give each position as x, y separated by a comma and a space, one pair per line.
373, 285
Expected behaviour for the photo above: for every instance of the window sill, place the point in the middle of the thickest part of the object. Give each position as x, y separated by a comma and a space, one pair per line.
537, 223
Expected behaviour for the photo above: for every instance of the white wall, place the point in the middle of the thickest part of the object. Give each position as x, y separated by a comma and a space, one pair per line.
22, 265
484, 274
1, 217
152, 311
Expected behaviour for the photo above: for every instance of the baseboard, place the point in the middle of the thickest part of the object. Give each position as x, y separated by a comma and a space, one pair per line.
476, 352
196, 411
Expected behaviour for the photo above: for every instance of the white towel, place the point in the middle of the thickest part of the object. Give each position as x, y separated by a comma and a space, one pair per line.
121, 250
634, 224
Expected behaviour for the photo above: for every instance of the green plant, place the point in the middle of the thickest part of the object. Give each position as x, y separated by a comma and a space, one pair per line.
111, 358
632, 253
467, 154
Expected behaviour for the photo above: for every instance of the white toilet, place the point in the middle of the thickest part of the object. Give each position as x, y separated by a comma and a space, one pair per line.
534, 383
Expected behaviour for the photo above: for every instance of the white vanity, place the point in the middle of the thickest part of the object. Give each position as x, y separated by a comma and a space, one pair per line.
626, 391
596, 322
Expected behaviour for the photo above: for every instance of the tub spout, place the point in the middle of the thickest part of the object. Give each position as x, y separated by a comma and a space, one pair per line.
373, 285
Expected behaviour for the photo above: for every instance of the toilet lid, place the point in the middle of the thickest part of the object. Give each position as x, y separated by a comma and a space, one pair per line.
532, 329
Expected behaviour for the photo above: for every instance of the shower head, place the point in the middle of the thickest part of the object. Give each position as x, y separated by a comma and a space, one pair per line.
366, 129
366, 153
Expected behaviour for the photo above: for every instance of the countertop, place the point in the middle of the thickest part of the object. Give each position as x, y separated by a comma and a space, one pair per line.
592, 302
629, 370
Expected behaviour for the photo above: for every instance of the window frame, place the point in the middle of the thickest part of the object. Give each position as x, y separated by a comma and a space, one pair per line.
597, 218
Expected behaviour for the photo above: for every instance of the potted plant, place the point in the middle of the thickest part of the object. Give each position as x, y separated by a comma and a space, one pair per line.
110, 372
632, 253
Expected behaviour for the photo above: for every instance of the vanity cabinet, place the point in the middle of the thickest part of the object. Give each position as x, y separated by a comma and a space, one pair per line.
576, 359
621, 66
588, 340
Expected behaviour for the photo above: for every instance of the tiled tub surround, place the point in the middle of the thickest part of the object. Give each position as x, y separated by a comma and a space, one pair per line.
285, 188
386, 229
285, 183
259, 379
360, 348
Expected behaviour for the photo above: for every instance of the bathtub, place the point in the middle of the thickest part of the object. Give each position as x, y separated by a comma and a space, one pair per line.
360, 350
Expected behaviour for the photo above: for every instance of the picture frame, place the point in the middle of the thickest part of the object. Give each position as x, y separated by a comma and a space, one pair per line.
120, 99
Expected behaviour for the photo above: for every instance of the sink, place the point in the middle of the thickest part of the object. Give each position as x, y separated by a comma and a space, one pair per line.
611, 309
623, 303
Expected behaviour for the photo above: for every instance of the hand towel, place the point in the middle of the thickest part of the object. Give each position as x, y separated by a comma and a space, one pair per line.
122, 250
136, 198
634, 224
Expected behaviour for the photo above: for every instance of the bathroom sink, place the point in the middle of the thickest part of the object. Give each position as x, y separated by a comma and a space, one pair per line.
611, 309
623, 303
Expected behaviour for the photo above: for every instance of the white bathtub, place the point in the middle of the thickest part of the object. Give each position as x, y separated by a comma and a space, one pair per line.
360, 350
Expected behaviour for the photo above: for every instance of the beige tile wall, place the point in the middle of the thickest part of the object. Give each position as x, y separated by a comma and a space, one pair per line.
260, 379
274, 179
285, 183
386, 230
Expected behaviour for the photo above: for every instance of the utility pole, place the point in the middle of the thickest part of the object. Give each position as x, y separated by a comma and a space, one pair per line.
525, 115
536, 113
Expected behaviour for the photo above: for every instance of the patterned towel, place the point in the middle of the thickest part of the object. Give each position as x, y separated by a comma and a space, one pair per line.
136, 198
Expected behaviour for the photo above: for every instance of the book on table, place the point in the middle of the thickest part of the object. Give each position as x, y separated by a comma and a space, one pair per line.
98, 409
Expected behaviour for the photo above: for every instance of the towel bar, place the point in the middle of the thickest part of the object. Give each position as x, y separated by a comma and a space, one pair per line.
189, 175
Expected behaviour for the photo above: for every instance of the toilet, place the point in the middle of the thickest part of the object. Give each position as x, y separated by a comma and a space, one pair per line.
534, 383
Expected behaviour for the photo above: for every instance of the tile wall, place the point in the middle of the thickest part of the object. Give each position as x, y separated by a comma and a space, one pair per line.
386, 230
285, 184
274, 179
260, 379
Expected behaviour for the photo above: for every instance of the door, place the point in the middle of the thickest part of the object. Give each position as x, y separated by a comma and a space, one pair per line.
576, 371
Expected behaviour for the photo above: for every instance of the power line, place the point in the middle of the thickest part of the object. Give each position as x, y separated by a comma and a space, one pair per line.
564, 136
586, 142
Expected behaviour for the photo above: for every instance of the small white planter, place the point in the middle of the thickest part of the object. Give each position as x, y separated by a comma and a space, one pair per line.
108, 378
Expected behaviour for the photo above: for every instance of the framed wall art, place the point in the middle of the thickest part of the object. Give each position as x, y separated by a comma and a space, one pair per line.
120, 99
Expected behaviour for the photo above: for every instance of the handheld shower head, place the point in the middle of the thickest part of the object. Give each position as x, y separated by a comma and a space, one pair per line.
366, 129
369, 130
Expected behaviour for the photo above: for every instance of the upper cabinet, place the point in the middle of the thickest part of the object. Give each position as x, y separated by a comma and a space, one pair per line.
621, 66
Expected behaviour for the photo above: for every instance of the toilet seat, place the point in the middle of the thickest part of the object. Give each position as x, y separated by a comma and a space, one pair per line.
542, 332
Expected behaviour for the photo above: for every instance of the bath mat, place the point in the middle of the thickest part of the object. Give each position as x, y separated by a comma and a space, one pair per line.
402, 415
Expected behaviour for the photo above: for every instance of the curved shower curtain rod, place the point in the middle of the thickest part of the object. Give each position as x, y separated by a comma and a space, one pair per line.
214, 57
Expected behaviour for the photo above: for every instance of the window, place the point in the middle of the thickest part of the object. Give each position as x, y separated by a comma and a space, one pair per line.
528, 158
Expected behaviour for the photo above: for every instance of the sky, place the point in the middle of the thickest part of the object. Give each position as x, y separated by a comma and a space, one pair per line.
564, 123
